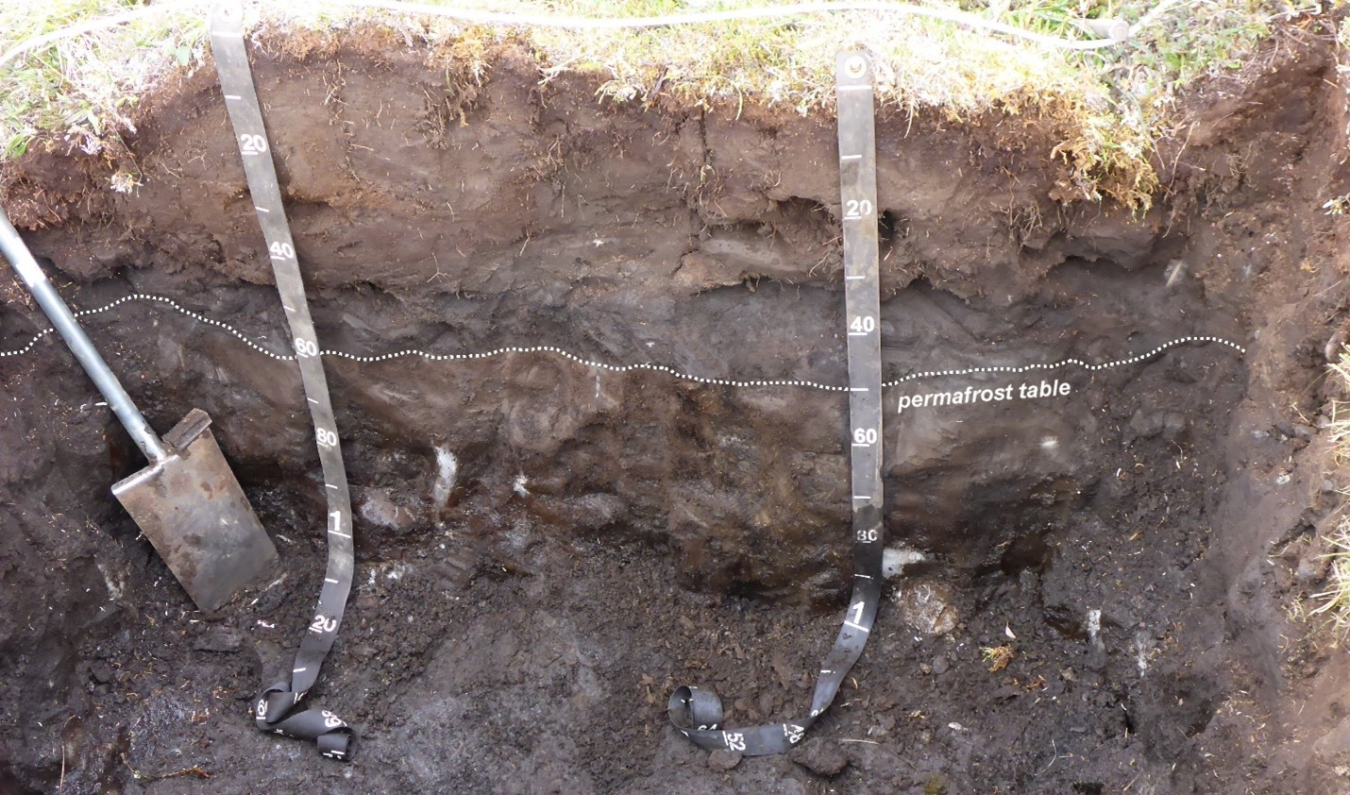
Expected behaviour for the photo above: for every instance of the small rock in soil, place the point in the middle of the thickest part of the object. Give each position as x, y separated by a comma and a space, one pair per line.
221, 639
101, 672
723, 760
820, 757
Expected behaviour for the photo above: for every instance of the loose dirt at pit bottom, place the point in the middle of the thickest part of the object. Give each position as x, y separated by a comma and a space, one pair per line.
546, 549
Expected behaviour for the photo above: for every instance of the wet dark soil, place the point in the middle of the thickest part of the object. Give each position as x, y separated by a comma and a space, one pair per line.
546, 548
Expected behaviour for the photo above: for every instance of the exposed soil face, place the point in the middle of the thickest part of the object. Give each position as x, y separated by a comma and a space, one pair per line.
546, 548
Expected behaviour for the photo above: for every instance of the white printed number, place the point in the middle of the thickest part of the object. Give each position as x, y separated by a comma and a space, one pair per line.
793, 733
326, 437
735, 741
252, 144
262, 708
322, 625
866, 436
307, 347
863, 324
858, 609
868, 536
282, 250
857, 208
330, 720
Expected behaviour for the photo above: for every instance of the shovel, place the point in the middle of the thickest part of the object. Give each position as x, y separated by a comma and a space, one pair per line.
187, 502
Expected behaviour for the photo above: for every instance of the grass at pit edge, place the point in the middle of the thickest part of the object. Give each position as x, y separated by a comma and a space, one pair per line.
1108, 107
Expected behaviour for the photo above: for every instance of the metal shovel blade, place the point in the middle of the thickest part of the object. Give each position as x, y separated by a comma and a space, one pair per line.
192, 509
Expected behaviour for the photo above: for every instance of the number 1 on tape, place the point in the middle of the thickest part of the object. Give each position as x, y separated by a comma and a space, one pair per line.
278, 710
697, 713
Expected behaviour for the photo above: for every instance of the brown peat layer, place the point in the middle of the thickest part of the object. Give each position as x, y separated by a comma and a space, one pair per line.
546, 548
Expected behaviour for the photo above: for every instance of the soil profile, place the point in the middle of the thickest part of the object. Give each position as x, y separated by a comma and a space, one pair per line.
1092, 583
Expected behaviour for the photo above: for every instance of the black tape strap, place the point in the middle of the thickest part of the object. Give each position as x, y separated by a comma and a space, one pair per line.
698, 713
279, 709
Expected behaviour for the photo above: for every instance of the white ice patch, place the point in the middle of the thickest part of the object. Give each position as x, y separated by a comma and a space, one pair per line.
391, 571
1143, 646
925, 606
114, 589
895, 559
447, 467
1094, 629
519, 486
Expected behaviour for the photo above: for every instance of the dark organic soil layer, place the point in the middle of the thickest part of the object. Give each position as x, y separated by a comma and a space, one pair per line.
604, 536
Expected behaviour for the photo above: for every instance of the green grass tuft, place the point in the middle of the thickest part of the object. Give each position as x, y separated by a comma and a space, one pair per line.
1332, 606
1110, 105
83, 92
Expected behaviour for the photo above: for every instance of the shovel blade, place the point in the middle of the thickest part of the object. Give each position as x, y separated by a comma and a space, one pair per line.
192, 509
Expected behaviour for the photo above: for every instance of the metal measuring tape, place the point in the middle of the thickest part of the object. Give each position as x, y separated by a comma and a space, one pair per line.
696, 713
278, 708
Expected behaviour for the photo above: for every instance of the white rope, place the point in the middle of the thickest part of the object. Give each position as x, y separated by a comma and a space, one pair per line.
708, 17
90, 26
617, 23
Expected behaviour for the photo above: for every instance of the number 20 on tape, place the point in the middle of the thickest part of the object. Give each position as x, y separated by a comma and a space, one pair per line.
250, 144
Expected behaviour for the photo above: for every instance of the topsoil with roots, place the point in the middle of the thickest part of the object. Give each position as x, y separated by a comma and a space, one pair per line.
545, 548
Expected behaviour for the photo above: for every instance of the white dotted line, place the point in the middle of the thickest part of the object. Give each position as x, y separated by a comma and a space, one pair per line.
28, 347
161, 299
613, 368
1078, 362
658, 368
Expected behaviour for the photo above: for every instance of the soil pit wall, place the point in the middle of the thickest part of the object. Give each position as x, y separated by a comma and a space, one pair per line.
546, 547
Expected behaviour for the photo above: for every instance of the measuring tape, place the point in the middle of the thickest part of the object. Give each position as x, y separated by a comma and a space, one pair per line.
696, 713
278, 708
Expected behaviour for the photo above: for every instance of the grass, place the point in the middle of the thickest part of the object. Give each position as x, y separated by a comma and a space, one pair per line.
84, 91
1108, 107
996, 658
1333, 604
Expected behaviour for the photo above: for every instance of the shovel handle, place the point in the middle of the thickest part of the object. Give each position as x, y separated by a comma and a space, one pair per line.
21, 259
